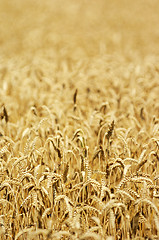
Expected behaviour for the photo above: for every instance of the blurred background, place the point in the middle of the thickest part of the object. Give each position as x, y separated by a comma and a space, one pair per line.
83, 28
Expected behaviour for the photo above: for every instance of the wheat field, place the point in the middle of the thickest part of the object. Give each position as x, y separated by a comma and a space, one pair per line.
79, 119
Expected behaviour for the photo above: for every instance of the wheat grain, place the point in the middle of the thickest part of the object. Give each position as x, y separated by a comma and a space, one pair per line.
79, 120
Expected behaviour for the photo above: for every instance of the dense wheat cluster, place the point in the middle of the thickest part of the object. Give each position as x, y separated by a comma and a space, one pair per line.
79, 119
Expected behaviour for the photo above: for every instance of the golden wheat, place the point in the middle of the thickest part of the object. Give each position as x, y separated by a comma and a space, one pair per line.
79, 120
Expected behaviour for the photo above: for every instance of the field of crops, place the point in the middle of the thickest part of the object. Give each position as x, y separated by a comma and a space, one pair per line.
79, 119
